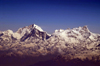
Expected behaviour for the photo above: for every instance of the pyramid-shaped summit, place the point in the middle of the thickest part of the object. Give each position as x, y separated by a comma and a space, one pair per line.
32, 31
29, 28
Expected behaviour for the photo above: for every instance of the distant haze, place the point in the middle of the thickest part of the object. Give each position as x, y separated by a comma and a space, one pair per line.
50, 14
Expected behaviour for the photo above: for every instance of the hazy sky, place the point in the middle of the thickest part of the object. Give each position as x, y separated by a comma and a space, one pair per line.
50, 14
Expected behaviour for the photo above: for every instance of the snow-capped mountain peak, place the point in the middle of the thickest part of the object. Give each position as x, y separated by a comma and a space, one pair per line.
29, 28
8, 32
37, 27
80, 33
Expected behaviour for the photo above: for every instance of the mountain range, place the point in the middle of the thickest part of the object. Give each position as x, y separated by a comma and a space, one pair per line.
33, 41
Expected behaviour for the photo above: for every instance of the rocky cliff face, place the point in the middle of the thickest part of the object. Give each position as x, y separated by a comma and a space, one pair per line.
33, 31
33, 41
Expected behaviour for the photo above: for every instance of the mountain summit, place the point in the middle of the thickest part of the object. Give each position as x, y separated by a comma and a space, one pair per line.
32, 30
81, 33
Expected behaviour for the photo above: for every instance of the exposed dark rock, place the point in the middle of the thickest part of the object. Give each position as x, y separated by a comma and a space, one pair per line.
98, 45
1, 34
34, 33
13, 38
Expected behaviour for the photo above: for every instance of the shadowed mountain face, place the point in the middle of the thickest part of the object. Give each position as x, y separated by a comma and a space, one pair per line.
32, 31
34, 44
35, 33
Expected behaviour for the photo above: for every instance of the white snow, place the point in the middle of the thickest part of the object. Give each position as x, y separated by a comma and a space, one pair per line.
8, 32
16, 35
80, 33
37, 27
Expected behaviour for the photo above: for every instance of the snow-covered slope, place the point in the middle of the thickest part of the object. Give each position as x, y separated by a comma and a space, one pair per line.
81, 33
28, 29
